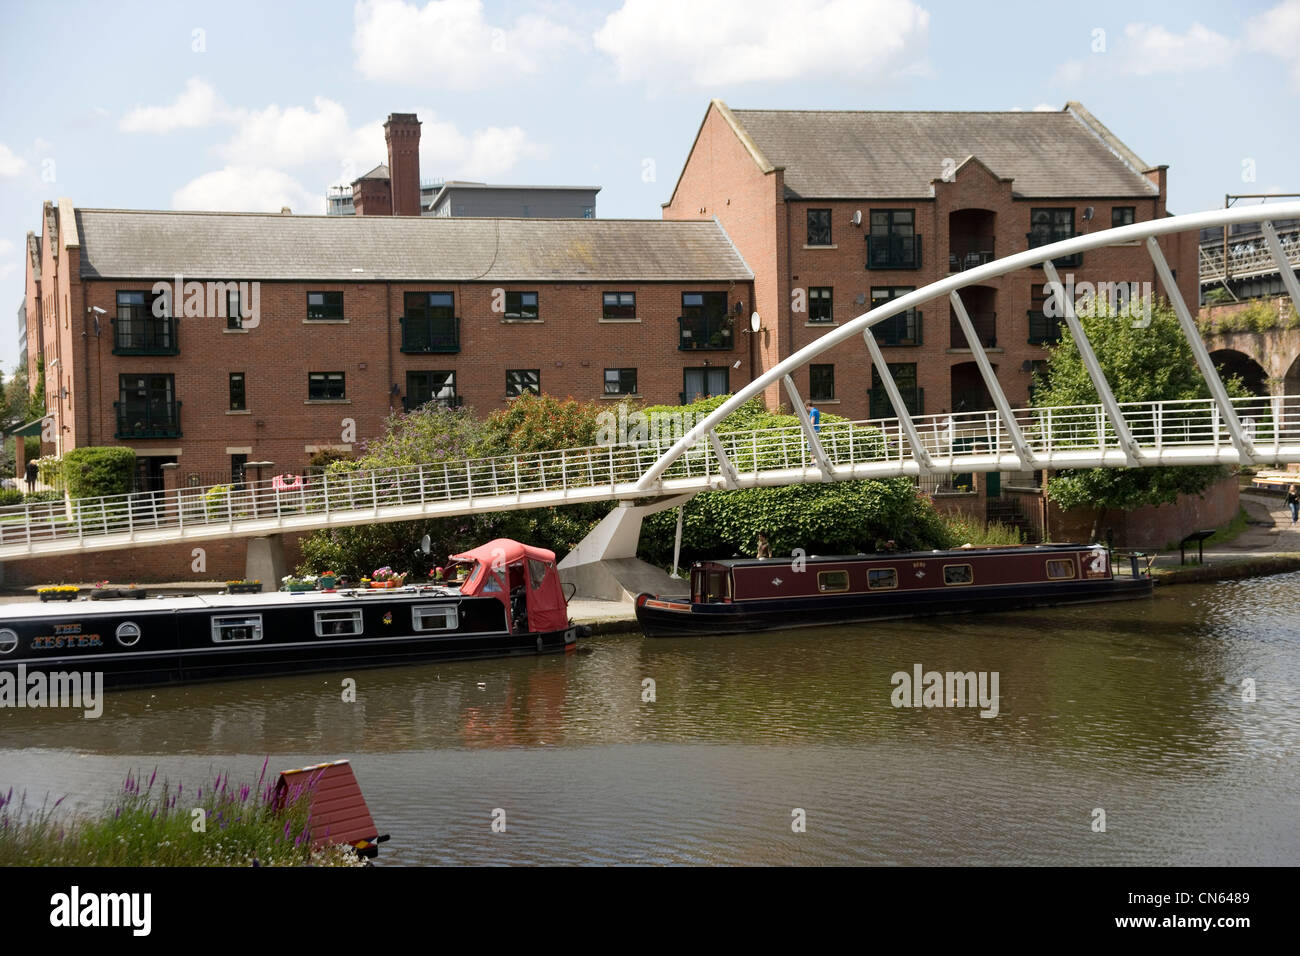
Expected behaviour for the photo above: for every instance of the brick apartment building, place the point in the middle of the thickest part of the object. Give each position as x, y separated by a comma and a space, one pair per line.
841, 211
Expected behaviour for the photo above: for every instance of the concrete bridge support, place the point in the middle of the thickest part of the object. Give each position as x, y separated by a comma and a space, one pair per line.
265, 561
604, 564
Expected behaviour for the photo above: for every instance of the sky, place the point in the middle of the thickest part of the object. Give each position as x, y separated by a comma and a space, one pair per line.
238, 105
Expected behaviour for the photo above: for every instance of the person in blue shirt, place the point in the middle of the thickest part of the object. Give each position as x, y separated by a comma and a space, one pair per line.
813, 415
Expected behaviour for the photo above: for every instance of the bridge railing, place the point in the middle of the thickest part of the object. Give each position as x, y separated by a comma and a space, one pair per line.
546, 478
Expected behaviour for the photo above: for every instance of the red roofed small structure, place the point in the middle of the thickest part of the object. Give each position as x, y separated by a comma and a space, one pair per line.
338, 810
504, 569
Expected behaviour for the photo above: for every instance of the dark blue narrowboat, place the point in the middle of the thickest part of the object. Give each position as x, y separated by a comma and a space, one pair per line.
510, 603
758, 594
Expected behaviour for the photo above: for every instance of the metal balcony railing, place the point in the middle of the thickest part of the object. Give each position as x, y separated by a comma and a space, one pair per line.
1044, 238
893, 252
152, 335
430, 335
701, 333
967, 252
900, 330
151, 420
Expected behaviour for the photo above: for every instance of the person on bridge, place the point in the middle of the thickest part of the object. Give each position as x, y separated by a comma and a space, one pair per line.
31, 476
1293, 502
814, 415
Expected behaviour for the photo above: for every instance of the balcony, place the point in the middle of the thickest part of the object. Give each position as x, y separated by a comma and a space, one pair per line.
986, 330
893, 252
899, 330
1037, 239
151, 420
1044, 329
453, 401
154, 335
704, 333
967, 252
423, 335
913, 399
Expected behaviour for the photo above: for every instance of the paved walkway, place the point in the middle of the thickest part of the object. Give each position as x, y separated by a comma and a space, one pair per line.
1270, 530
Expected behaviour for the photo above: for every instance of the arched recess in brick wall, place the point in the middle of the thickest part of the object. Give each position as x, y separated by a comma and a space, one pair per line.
1230, 362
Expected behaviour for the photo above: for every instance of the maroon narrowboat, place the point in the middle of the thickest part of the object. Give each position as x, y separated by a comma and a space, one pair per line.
759, 594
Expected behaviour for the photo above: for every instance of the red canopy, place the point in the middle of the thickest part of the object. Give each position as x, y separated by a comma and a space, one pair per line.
504, 565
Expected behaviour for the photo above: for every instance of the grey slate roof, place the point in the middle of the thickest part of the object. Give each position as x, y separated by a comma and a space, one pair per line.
209, 245
885, 155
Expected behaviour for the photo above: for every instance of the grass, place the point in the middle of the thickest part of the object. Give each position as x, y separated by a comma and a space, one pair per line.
965, 529
148, 826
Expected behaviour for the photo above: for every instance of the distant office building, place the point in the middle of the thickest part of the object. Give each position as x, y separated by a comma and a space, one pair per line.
463, 199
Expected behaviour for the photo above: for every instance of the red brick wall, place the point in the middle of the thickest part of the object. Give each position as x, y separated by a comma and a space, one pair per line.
1155, 526
224, 559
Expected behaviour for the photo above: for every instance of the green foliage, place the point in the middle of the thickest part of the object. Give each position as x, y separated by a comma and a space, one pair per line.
967, 529
36, 496
94, 472
840, 518
10, 496
538, 423
1260, 315
215, 500
1153, 363
147, 827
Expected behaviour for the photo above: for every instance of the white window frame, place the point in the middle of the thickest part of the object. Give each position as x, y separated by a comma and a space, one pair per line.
253, 621
450, 612
340, 614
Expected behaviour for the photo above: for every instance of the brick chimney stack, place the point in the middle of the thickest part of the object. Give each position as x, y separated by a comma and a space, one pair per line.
402, 133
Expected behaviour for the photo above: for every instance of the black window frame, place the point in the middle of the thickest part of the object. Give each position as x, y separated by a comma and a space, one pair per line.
429, 323
619, 314
425, 386
516, 309
240, 404
322, 385
817, 312
329, 304
137, 331
1048, 224
892, 240
156, 414
517, 384
818, 378
234, 320
623, 378
913, 395
893, 332
819, 233
1124, 220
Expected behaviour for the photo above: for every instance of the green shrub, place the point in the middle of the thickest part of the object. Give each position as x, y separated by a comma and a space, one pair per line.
216, 501
10, 496
967, 529
37, 496
98, 471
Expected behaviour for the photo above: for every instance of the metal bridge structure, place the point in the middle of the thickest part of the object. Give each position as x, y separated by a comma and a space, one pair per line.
647, 476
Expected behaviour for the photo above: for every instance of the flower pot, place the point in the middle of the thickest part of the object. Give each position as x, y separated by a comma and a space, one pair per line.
381, 585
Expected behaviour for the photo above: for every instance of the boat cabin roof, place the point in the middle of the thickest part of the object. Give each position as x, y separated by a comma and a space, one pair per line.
220, 602
895, 555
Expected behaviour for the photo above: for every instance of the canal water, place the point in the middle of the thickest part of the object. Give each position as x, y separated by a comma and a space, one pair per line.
1135, 715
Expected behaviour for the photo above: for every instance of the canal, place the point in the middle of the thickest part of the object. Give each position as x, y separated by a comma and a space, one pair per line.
1133, 715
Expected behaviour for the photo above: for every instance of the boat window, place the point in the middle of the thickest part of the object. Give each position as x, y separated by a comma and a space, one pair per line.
8, 640
537, 572
832, 581
1060, 568
958, 574
879, 579
242, 627
493, 584
338, 623
436, 617
128, 633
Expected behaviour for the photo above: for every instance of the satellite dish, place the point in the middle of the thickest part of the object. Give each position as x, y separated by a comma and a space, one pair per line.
755, 323
1087, 214
857, 217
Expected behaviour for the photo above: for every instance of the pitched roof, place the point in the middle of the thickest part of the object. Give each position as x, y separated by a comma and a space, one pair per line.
888, 155
124, 244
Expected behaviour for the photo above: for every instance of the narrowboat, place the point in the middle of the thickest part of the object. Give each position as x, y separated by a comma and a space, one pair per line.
510, 603
757, 594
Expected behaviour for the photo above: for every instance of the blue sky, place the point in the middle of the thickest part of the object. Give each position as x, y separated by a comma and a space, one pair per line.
256, 105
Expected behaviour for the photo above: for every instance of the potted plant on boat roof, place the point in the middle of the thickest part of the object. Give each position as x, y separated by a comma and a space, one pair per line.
59, 592
306, 582
243, 587
385, 577
328, 581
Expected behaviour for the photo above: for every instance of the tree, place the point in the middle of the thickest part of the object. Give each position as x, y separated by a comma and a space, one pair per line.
1143, 362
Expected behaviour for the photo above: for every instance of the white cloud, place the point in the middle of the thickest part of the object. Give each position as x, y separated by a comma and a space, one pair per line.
449, 44
247, 189
289, 137
1153, 49
680, 42
197, 105
484, 154
1277, 31
11, 165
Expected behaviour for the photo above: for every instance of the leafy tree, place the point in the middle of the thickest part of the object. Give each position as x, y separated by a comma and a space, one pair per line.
1143, 363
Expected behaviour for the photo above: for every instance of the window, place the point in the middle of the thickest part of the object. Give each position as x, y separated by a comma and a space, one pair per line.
958, 574
704, 322
243, 627
429, 322
520, 380
588, 212
326, 387
438, 617
238, 469
338, 623
1060, 569
128, 634
521, 305
147, 407
819, 304
138, 331
424, 387
1044, 329
819, 227
882, 579
893, 242
326, 306
537, 571
897, 330
1122, 216
620, 381
1048, 225
832, 581
821, 383
237, 396
707, 382
234, 320
619, 305
904, 375
8, 640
